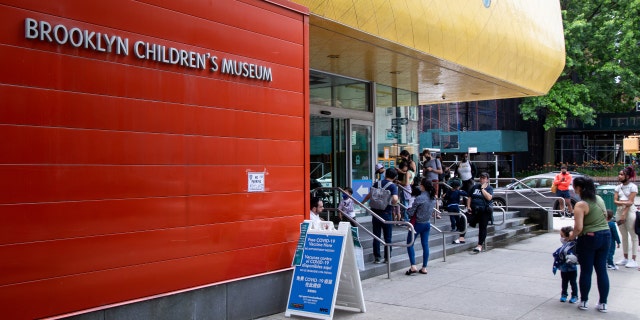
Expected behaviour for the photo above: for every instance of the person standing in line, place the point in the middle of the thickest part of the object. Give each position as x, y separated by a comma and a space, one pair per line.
316, 208
466, 171
404, 192
422, 208
479, 205
387, 214
405, 157
432, 167
346, 206
592, 231
566, 261
441, 176
623, 197
615, 240
453, 197
562, 181
379, 172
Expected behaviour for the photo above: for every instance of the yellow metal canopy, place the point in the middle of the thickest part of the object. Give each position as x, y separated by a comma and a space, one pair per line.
446, 50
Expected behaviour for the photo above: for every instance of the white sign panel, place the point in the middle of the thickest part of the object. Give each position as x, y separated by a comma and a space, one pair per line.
255, 182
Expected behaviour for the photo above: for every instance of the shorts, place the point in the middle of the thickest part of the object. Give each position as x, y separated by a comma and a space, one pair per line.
563, 193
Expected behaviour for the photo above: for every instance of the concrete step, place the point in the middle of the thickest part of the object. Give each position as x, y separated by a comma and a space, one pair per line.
514, 227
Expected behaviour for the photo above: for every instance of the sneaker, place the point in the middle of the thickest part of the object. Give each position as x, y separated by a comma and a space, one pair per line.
563, 298
583, 305
602, 307
456, 241
612, 267
573, 299
622, 262
631, 264
377, 260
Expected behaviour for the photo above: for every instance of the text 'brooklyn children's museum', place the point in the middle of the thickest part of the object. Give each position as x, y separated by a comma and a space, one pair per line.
91, 40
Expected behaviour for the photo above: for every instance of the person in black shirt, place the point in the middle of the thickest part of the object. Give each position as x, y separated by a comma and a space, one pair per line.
480, 209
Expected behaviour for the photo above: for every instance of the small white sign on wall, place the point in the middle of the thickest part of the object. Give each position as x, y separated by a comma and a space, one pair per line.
255, 182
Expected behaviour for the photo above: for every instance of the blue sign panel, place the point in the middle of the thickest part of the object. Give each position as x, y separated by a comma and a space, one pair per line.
314, 280
360, 188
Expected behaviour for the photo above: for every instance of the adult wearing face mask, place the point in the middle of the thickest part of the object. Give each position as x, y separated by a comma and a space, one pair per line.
466, 171
431, 168
562, 182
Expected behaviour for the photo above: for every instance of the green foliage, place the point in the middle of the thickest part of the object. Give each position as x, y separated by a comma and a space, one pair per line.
602, 69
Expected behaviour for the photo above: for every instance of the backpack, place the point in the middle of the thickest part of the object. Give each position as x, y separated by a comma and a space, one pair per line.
380, 197
446, 200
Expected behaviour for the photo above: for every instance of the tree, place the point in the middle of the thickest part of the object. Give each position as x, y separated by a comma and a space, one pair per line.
602, 70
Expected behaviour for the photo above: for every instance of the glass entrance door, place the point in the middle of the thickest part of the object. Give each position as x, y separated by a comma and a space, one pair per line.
328, 152
361, 157
341, 155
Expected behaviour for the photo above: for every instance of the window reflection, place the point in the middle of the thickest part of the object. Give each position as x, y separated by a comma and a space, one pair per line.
340, 92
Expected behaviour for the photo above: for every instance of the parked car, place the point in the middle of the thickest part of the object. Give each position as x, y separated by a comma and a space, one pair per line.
326, 180
533, 191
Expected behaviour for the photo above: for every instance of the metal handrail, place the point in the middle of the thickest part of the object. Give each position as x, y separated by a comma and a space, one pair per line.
504, 216
444, 233
442, 213
408, 225
530, 200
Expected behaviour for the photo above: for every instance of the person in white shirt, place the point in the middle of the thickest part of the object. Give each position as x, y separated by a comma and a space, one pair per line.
466, 171
346, 206
624, 196
316, 207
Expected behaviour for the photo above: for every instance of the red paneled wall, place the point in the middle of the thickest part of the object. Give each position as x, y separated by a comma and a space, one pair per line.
123, 177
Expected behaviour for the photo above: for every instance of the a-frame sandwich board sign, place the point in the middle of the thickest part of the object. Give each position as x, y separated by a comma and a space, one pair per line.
325, 275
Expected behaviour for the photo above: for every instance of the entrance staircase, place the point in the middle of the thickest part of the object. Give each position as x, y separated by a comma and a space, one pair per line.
515, 227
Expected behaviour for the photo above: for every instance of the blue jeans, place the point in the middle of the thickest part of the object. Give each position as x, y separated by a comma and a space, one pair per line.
378, 228
422, 230
612, 251
405, 202
592, 250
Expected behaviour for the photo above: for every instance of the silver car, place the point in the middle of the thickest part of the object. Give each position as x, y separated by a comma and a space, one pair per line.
533, 192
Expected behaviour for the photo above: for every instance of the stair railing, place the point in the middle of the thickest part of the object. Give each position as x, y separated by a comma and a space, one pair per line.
536, 205
404, 224
444, 233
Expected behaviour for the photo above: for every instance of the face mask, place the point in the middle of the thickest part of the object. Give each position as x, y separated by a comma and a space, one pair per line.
345, 197
563, 240
564, 173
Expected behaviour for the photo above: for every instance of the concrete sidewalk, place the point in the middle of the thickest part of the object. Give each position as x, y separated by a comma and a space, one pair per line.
513, 281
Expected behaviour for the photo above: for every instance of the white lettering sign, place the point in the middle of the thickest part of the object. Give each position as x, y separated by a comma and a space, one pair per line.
96, 41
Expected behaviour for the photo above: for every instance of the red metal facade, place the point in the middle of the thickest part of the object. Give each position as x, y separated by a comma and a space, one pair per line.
123, 177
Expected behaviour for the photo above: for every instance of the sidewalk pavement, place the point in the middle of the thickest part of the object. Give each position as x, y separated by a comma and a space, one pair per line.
511, 281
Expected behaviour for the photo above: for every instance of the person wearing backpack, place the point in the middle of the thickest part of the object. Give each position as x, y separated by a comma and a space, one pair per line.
387, 213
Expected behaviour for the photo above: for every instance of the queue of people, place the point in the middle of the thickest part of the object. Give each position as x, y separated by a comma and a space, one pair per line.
589, 244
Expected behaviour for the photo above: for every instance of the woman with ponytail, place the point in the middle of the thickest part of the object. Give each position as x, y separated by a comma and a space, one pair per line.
593, 239
624, 197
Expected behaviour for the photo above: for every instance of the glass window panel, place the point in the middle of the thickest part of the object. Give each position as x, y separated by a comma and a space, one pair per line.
339, 92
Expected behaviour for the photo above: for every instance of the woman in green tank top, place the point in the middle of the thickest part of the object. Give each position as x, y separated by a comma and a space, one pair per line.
593, 239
